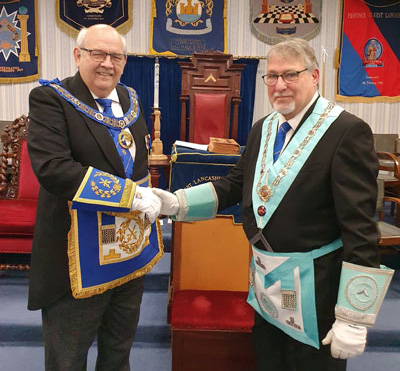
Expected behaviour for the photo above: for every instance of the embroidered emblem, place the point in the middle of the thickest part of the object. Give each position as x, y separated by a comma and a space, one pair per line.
94, 6
259, 263
288, 300
108, 185
362, 292
251, 277
292, 323
268, 306
108, 233
131, 234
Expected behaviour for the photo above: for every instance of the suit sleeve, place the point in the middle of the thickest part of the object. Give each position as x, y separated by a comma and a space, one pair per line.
354, 186
49, 145
230, 188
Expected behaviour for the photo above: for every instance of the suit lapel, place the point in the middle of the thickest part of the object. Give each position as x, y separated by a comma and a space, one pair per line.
99, 131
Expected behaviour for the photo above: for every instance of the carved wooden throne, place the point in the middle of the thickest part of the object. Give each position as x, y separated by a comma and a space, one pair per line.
19, 190
210, 97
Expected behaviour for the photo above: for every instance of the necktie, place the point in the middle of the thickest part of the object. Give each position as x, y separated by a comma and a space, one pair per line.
106, 104
280, 139
124, 153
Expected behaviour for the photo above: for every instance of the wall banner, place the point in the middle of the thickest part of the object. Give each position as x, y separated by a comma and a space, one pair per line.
75, 14
19, 48
182, 27
369, 55
274, 21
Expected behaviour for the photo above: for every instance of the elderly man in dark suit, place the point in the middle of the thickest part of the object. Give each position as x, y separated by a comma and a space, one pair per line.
88, 143
307, 182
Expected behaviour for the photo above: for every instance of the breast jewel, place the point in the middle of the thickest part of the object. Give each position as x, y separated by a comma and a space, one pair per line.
266, 191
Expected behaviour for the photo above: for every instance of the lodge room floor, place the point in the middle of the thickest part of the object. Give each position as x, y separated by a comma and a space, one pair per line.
20, 334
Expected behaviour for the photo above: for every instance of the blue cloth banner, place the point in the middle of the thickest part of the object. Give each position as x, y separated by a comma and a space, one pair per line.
182, 27
191, 167
86, 13
19, 50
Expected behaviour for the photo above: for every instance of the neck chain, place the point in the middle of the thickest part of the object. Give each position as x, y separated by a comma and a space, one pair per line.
264, 191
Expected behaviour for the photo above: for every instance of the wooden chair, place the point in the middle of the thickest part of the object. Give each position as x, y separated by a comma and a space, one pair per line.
390, 234
387, 147
210, 319
389, 174
19, 190
210, 97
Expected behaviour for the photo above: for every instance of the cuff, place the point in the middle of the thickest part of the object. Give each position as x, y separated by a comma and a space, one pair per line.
102, 191
197, 203
361, 293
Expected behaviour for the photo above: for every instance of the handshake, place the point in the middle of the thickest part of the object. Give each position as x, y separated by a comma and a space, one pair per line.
154, 202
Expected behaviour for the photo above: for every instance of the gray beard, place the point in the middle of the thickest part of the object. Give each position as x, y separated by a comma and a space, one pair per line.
285, 110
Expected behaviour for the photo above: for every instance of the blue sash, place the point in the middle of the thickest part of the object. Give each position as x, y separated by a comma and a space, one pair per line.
280, 175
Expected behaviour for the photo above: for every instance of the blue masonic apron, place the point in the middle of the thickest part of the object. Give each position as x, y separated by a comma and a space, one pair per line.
108, 244
282, 288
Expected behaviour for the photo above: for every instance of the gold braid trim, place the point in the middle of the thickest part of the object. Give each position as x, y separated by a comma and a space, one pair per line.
74, 267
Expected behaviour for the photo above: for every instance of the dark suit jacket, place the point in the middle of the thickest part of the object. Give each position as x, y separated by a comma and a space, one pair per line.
334, 195
62, 144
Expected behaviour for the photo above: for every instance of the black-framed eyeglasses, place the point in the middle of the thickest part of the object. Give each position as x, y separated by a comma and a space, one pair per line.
288, 77
100, 56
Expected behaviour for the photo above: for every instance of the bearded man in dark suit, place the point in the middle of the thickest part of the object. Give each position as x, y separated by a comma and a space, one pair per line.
88, 143
307, 182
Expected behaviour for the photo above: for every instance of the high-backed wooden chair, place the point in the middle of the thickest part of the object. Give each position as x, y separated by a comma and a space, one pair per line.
210, 319
210, 97
19, 190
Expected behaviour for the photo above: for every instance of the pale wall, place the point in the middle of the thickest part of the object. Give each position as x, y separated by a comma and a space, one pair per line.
56, 59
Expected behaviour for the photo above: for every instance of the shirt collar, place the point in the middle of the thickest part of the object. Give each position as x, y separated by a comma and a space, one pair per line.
113, 95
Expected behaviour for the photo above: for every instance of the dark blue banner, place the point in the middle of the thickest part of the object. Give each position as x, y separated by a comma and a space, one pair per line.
182, 27
85, 13
19, 50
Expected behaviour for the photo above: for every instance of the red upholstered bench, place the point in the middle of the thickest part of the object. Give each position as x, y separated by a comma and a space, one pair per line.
19, 190
210, 319
211, 330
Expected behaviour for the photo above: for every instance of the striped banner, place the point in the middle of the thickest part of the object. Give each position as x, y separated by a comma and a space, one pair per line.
369, 56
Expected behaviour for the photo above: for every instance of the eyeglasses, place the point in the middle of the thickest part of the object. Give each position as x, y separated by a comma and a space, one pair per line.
100, 56
288, 77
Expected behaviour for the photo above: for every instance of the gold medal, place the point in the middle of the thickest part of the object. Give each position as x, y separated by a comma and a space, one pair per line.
264, 193
125, 139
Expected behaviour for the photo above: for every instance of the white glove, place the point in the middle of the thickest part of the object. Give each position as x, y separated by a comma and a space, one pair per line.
170, 203
346, 340
146, 202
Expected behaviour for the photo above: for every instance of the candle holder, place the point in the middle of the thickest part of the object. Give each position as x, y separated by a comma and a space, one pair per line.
157, 158
157, 146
